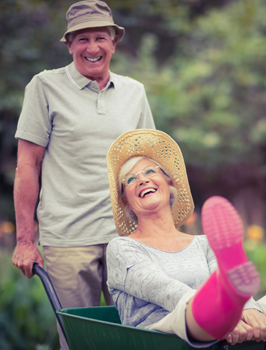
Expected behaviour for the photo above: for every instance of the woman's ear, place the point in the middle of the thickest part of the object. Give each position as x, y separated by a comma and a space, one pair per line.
170, 182
124, 200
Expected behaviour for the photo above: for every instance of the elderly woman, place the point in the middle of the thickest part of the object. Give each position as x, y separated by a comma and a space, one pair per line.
161, 278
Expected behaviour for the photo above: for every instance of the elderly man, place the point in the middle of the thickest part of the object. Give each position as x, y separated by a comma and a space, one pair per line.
70, 117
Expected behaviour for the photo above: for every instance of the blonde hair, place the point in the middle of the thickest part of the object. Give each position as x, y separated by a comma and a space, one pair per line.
125, 169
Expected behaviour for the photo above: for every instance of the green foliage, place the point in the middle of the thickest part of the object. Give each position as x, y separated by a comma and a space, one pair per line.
211, 96
26, 317
203, 67
27, 321
30, 33
28, 45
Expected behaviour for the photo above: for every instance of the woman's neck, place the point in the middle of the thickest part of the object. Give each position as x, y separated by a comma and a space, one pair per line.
158, 231
155, 225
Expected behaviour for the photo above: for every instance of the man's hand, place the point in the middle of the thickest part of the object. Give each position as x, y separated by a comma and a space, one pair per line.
25, 255
252, 326
26, 192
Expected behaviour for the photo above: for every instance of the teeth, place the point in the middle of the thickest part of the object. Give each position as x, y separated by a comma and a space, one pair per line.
93, 59
143, 193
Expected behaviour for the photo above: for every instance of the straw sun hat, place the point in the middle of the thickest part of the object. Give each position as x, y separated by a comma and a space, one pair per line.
157, 146
90, 14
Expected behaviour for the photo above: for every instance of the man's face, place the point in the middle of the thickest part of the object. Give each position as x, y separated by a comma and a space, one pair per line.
92, 50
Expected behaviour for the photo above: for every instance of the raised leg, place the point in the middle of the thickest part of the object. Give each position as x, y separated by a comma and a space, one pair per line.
218, 304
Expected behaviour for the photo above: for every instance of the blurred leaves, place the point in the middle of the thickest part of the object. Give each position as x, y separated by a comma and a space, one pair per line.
27, 321
203, 66
211, 96
26, 317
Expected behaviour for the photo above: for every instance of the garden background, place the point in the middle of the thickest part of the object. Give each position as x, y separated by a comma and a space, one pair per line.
203, 64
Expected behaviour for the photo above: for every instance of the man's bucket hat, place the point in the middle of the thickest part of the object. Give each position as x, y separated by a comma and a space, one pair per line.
90, 14
158, 146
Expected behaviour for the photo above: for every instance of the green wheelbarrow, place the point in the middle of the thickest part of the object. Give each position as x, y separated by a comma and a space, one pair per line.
100, 328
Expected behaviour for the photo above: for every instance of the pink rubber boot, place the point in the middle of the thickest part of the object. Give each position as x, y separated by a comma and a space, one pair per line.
218, 304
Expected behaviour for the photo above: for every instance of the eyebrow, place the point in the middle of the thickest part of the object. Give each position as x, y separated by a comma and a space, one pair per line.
84, 35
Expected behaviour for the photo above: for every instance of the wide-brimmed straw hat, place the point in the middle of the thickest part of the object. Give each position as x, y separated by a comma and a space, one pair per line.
90, 14
158, 146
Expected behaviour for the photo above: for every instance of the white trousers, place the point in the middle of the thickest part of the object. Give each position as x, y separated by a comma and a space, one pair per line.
262, 303
175, 323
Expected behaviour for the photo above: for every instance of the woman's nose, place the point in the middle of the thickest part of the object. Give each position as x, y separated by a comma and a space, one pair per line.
142, 179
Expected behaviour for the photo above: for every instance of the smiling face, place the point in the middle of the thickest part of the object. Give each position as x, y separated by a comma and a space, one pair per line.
92, 50
147, 193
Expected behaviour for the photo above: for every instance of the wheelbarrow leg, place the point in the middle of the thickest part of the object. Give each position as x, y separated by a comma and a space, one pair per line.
52, 296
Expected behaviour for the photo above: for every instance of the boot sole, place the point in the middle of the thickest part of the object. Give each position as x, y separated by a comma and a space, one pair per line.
223, 227
221, 223
244, 279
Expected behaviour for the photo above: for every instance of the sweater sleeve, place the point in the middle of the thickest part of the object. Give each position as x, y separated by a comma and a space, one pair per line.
131, 270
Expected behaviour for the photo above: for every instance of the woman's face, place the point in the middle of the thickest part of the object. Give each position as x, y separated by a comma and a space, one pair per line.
147, 193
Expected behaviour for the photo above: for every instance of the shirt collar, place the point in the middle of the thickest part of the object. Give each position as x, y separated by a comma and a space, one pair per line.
81, 82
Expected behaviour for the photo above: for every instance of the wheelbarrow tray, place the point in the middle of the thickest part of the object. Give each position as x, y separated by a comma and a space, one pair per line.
99, 328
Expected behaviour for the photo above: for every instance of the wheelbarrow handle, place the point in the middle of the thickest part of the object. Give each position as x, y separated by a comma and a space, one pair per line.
52, 296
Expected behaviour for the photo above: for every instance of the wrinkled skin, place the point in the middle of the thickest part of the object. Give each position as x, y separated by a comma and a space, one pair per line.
252, 326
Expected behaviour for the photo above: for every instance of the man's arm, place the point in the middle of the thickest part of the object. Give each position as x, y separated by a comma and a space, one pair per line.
26, 191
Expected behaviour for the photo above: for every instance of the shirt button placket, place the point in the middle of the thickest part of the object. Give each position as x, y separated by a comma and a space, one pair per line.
100, 104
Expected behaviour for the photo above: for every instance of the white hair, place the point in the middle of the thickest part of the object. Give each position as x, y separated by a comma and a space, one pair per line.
127, 166
111, 30
125, 169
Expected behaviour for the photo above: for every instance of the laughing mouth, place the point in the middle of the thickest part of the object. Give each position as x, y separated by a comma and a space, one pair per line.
96, 59
147, 191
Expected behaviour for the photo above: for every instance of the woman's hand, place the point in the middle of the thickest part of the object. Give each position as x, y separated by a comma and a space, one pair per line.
241, 332
252, 326
257, 320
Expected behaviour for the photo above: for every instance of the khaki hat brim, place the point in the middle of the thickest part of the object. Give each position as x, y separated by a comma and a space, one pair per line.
158, 146
120, 31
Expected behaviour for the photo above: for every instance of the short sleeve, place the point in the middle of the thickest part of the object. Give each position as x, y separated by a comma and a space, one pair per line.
34, 123
146, 120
